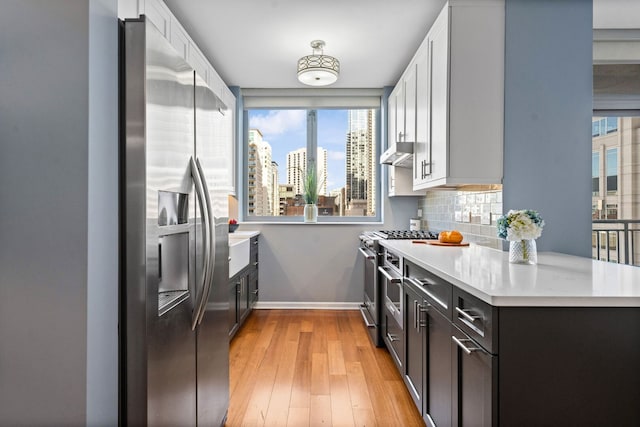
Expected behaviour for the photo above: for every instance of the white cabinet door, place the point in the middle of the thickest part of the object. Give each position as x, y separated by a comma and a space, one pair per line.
199, 62
422, 146
399, 135
158, 13
179, 39
439, 85
410, 104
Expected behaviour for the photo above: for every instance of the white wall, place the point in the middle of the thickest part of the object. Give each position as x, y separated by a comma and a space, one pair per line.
58, 257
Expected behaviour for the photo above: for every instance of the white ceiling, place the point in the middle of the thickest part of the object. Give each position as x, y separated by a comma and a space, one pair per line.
256, 43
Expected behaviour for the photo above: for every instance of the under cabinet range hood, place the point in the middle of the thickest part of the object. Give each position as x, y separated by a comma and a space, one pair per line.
399, 154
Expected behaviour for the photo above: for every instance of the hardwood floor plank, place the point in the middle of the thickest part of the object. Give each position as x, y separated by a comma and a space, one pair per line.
316, 368
358, 391
301, 387
320, 411
320, 374
336, 358
278, 412
341, 412
298, 417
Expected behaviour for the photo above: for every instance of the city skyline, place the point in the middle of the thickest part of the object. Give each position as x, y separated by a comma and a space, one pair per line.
286, 131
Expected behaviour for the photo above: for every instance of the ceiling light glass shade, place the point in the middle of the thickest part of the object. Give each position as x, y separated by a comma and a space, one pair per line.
318, 69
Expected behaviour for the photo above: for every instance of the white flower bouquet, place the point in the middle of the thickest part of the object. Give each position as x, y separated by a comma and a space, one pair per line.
520, 225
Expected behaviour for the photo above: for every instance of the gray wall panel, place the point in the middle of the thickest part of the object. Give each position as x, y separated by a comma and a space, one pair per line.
102, 256
548, 109
316, 263
45, 188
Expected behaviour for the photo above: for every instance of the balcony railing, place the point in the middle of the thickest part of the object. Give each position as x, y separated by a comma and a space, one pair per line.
616, 240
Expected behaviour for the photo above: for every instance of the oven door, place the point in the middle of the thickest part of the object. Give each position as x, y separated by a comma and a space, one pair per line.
370, 309
392, 292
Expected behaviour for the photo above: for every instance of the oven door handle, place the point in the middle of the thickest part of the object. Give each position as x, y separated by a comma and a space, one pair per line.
388, 276
367, 254
364, 316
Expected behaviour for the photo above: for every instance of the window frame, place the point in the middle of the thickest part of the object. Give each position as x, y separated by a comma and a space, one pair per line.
312, 100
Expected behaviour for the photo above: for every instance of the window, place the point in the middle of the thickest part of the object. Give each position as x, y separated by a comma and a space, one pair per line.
612, 171
595, 173
341, 141
603, 126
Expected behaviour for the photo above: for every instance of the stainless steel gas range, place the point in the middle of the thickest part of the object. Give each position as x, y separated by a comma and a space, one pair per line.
378, 273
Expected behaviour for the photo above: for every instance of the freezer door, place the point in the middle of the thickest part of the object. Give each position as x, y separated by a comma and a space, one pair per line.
213, 332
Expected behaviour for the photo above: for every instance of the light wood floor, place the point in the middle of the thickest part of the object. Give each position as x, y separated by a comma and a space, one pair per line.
313, 368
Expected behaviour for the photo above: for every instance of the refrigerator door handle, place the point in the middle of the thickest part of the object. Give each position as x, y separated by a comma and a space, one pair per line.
211, 253
206, 244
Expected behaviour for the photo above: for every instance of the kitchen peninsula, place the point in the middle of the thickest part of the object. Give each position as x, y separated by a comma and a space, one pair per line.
555, 343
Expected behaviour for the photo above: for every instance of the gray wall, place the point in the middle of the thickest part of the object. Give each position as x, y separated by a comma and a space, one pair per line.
58, 263
547, 148
319, 263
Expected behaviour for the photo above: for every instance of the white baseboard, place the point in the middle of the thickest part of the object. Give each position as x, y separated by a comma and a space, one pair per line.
271, 305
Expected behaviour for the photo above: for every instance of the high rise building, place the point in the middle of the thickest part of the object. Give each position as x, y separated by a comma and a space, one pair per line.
361, 163
261, 189
297, 166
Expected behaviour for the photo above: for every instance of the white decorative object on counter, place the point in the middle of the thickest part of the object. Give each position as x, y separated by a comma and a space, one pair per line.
523, 251
521, 228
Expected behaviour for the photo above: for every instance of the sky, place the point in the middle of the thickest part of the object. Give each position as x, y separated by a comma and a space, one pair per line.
286, 130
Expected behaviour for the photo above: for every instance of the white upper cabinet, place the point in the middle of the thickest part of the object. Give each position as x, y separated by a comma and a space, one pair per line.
179, 38
199, 62
158, 13
453, 97
466, 123
399, 180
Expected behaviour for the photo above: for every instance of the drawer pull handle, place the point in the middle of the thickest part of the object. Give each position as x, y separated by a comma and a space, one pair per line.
388, 276
461, 342
391, 337
466, 315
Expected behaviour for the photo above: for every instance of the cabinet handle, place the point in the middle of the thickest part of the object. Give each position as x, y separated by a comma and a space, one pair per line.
464, 348
466, 315
255, 292
400, 135
255, 243
386, 274
422, 309
415, 314
391, 337
255, 264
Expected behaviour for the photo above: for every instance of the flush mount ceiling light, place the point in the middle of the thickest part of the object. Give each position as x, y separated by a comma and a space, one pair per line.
318, 69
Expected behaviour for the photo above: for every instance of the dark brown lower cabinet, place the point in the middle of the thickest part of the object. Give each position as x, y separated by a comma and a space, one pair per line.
437, 380
475, 382
415, 340
428, 365
243, 290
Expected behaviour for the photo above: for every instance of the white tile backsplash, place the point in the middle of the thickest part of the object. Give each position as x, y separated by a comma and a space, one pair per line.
473, 213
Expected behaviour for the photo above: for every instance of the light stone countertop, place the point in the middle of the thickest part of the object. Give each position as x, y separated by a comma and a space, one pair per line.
243, 234
558, 280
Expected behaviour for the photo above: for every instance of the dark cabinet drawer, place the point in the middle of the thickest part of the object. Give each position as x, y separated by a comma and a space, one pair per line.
393, 336
436, 291
476, 318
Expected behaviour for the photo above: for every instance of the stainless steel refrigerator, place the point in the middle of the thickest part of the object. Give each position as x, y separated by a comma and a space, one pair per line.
174, 234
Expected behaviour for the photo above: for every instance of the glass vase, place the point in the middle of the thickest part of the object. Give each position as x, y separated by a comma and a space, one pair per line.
523, 252
311, 213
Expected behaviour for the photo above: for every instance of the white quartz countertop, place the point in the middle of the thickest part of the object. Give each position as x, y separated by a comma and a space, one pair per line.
243, 234
558, 280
